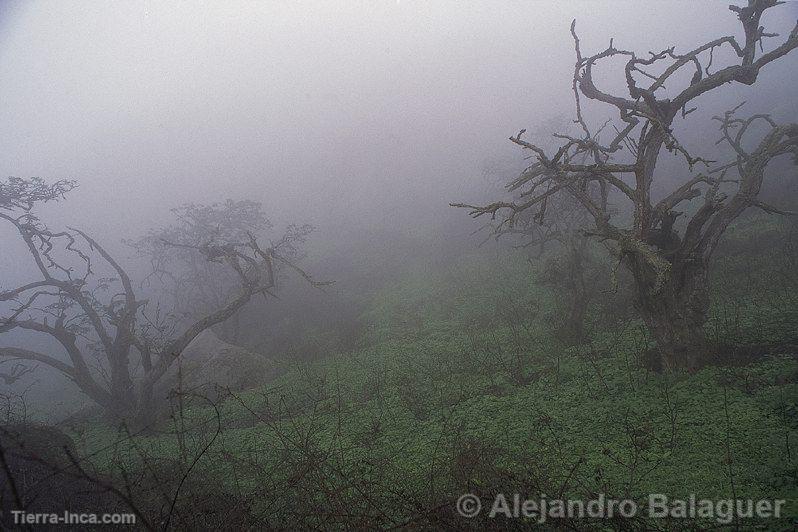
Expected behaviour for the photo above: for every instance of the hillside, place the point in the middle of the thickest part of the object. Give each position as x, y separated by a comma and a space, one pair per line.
459, 386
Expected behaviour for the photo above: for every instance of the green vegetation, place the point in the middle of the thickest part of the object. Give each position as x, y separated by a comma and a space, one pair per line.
459, 386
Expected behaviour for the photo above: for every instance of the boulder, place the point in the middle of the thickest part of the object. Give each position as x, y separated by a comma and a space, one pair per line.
209, 362
40, 476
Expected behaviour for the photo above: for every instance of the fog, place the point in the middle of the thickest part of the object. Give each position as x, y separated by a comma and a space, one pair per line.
344, 115
365, 119
637, 317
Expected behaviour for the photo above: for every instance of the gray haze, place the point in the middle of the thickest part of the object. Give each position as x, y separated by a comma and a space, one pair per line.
363, 118
340, 114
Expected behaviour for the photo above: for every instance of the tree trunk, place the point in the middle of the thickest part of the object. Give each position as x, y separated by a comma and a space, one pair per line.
575, 320
144, 416
675, 311
568, 276
137, 413
579, 291
123, 397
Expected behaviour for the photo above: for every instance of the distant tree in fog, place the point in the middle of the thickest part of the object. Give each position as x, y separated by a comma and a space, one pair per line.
117, 346
668, 261
555, 235
193, 285
568, 263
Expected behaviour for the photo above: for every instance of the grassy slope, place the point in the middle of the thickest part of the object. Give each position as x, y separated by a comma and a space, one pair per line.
425, 411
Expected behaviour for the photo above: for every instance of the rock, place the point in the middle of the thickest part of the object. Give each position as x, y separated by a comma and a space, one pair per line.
34, 442
40, 475
210, 362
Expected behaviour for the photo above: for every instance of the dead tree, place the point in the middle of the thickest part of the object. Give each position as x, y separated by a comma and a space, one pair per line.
669, 265
116, 350
190, 285
573, 270
563, 250
559, 244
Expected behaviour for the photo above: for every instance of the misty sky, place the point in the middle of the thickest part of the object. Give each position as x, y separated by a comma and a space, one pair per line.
342, 114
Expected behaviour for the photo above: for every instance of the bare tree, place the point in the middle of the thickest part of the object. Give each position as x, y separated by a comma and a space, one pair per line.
669, 266
573, 269
99, 321
558, 243
562, 250
193, 285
